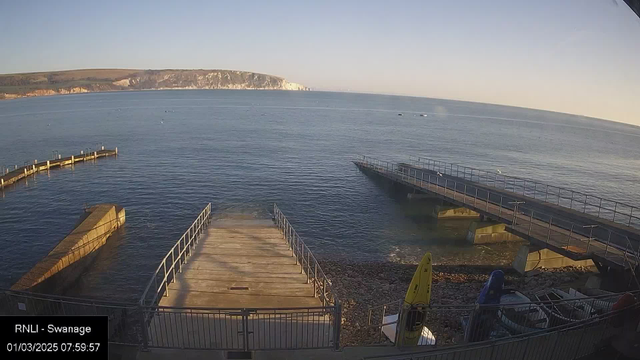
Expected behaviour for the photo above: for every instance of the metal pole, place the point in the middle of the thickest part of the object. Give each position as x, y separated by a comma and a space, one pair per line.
166, 286
337, 324
570, 235
599, 207
487, 209
173, 266
590, 235
324, 292
530, 222
475, 197
315, 279
308, 265
615, 209
571, 204
464, 196
515, 210
546, 193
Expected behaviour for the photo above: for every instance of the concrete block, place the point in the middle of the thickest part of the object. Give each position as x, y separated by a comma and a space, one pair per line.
98, 224
450, 212
530, 258
488, 232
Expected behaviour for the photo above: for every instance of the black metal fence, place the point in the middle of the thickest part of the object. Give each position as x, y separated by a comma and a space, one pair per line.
308, 264
243, 329
172, 263
567, 342
447, 325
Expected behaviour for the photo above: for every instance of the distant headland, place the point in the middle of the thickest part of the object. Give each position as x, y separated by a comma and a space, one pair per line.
94, 80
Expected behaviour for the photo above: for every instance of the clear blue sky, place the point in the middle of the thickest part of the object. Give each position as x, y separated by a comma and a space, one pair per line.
545, 54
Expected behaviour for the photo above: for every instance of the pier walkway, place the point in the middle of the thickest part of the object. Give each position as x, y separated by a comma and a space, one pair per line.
10, 177
578, 236
241, 284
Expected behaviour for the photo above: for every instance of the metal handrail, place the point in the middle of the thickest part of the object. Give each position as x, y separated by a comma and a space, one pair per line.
178, 255
307, 261
471, 350
544, 227
615, 296
586, 203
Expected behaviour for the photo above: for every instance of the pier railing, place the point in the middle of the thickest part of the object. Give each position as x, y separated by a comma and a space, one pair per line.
172, 263
612, 210
321, 284
561, 234
242, 329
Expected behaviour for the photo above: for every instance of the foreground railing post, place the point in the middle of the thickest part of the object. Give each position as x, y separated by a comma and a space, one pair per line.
308, 265
606, 249
337, 323
400, 324
324, 291
570, 236
173, 266
179, 258
315, 279
166, 286
143, 329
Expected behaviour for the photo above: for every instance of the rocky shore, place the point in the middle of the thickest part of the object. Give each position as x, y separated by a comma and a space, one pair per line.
365, 285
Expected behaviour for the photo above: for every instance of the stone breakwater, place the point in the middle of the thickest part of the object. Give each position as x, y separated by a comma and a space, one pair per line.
362, 285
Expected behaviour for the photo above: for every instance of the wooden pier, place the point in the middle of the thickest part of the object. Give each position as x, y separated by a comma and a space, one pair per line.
20, 173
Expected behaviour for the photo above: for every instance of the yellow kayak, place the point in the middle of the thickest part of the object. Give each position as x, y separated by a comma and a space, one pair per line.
418, 296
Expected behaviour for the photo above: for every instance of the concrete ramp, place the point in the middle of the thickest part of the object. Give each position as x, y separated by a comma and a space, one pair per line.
96, 225
241, 289
241, 263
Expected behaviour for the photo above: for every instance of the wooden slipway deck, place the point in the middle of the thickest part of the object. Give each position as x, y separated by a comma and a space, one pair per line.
241, 264
222, 298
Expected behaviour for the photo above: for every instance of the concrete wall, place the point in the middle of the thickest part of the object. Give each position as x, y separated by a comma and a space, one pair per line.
454, 212
530, 257
487, 232
98, 224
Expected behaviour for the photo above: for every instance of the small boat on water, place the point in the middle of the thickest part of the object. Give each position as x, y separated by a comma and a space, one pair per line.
564, 308
519, 315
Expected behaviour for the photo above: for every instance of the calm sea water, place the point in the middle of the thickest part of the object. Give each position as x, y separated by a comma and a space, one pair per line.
244, 150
